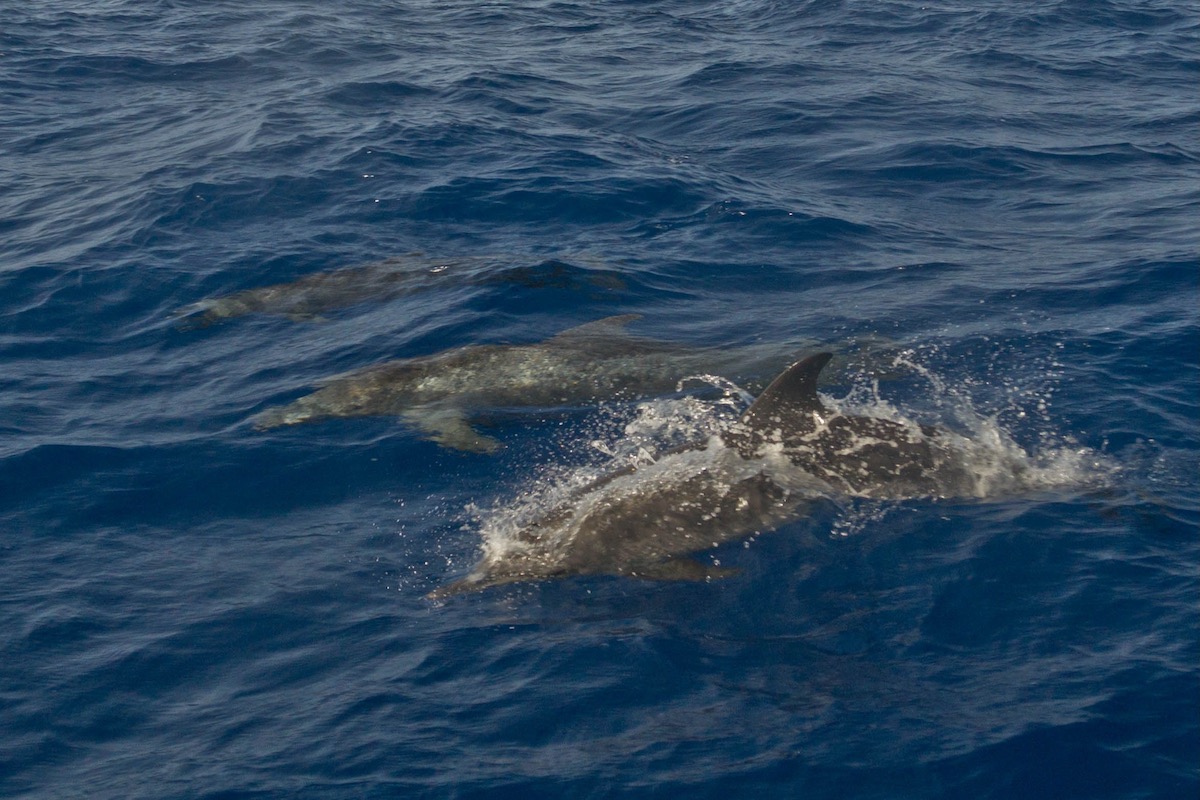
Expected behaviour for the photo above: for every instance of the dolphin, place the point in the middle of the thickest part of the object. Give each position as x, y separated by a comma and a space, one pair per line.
440, 394
309, 297
787, 449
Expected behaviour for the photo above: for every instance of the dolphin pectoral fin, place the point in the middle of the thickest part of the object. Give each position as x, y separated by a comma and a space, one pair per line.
680, 569
448, 427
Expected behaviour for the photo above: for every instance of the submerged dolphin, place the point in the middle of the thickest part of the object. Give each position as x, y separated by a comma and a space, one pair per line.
785, 450
439, 394
312, 295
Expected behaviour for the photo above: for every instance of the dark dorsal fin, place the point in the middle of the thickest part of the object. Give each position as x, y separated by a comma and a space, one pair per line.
787, 405
607, 327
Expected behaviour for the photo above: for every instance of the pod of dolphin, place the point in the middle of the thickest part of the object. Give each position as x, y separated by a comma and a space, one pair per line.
756, 473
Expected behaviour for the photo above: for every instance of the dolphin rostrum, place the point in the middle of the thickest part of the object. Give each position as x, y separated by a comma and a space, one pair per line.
308, 297
438, 395
784, 451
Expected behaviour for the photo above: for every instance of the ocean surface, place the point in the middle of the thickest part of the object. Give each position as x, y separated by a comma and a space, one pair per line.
988, 212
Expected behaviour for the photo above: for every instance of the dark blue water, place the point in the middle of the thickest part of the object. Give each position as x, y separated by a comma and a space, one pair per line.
1001, 197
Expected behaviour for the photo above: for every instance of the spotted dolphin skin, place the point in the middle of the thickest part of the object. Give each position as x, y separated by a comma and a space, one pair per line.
313, 295
440, 395
761, 471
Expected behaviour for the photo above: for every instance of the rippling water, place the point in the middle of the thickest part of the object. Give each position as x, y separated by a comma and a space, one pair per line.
987, 212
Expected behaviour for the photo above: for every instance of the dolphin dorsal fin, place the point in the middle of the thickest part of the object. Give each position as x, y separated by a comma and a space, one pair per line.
609, 326
791, 399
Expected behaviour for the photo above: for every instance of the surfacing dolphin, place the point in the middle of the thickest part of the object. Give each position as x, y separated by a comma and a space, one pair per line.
440, 394
787, 449
313, 295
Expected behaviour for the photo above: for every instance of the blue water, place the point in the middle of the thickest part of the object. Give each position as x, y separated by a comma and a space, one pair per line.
1002, 196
